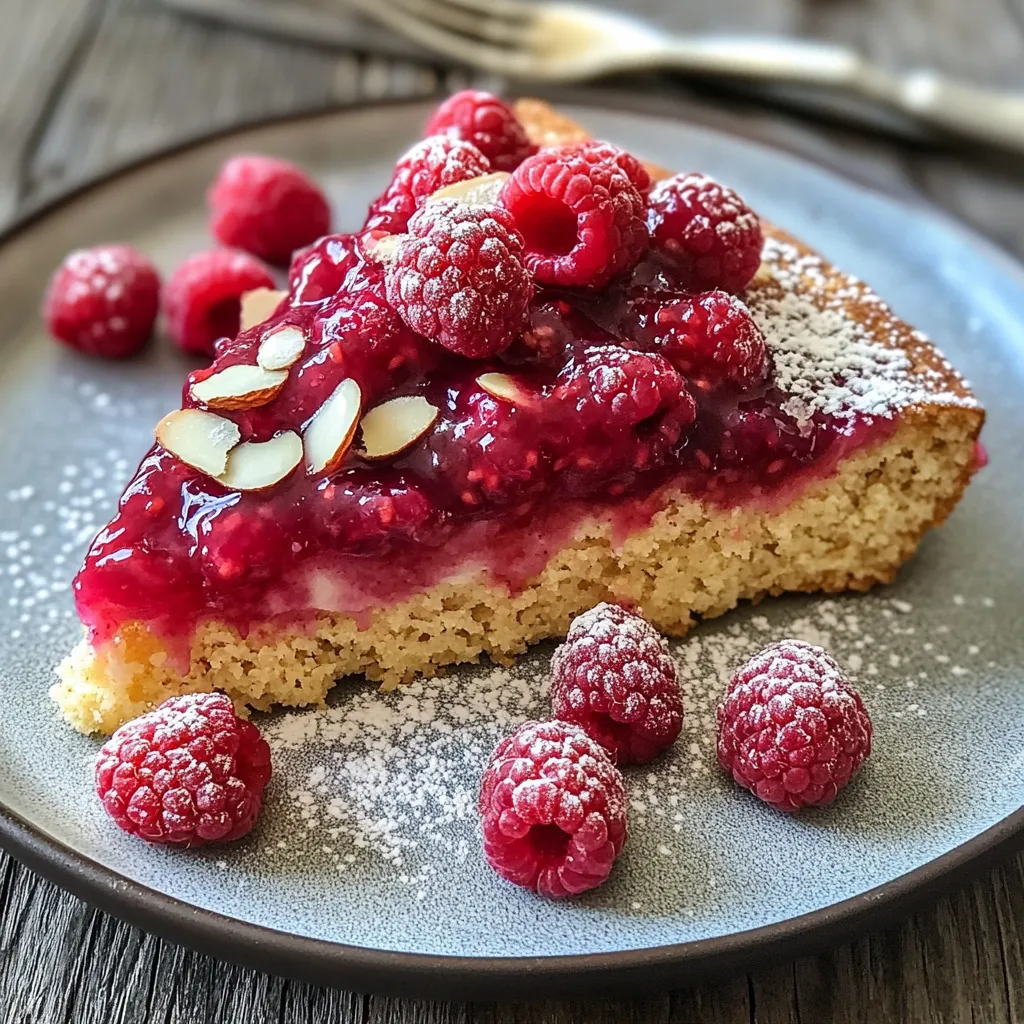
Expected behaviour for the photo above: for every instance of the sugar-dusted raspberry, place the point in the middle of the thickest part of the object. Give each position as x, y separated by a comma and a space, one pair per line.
267, 207
433, 163
103, 301
709, 338
554, 810
459, 278
614, 677
710, 235
189, 773
202, 299
626, 162
609, 390
482, 119
792, 729
581, 217
319, 271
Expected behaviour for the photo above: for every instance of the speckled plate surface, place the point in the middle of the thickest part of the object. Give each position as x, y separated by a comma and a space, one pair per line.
364, 870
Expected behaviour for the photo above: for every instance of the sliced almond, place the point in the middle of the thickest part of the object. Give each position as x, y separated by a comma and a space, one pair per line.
281, 347
256, 465
764, 276
330, 431
481, 191
201, 439
501, 385
239, 387
257, 306
382, 249
393, 426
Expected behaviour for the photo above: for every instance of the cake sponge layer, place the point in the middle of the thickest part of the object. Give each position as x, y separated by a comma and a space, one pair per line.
849, 531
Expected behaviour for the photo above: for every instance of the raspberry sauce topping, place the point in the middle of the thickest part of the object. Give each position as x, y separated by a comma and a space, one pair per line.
376, 435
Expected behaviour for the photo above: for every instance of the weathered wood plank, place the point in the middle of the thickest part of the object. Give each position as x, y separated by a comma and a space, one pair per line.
39, 46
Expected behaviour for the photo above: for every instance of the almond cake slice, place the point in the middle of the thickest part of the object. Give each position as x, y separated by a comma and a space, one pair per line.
341, 494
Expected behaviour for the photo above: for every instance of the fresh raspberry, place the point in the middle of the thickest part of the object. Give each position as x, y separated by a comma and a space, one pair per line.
611, 389
319, 271
792, 729
482, 119
614, 677
202, 299
431, 164
266, 206
553, 808
709, 234
189, 773
708, 338
626, 162
103, 301
581, 217
460, 278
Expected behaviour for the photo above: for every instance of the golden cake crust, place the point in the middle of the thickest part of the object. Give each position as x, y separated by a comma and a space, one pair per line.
848, 531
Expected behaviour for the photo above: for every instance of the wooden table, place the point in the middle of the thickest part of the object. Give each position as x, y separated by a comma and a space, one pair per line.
87, 85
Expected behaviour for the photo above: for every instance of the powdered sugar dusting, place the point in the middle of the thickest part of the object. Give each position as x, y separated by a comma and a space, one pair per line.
393, 777
826, 359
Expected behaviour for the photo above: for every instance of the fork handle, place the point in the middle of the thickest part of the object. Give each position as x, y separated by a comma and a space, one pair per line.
984, 115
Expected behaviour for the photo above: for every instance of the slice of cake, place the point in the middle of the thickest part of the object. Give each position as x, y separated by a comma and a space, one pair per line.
506, 400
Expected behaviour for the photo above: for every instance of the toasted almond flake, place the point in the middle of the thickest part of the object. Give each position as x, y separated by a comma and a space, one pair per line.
481, 191
239, 387
383, 249
393, 426
330, 431
200, 439
763, 276
501, 385
281, 347
257, 305
256, 465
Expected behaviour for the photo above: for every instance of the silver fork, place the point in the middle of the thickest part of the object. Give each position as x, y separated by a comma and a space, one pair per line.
565, 42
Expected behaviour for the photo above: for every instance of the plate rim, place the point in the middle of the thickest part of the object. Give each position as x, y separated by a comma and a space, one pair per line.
434, 976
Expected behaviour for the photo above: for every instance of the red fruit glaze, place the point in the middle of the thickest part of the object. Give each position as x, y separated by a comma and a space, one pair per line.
267, 207
581, 217
187, 774
433, 163
318, 272
103, 301
614, 678
712, 238
792, 729
482, 119
459, 278
202, 299
553, 810
495, 481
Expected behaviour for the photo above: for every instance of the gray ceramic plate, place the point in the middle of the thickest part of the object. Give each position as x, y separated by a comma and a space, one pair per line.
365, 870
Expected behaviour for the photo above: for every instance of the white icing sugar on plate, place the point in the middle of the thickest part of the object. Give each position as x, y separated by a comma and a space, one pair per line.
826, 360
391, 778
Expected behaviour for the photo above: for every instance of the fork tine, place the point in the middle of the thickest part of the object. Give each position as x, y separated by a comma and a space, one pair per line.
474, 53
467, 22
